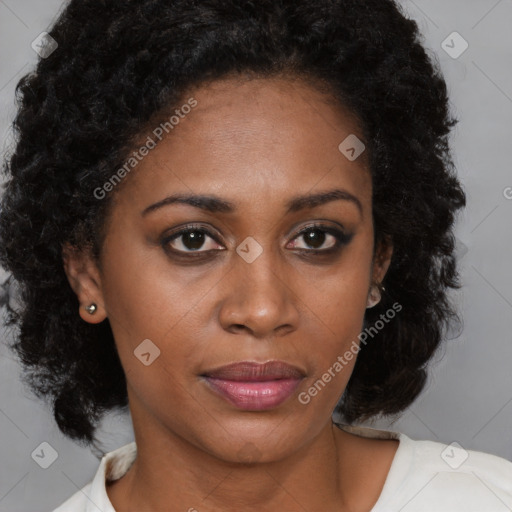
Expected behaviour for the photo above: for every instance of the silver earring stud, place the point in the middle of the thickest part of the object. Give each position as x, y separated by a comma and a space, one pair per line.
91, 309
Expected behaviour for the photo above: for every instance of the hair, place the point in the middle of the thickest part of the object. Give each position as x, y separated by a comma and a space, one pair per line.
119, 63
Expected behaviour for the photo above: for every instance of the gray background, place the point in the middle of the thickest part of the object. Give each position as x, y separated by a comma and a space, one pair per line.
469, 395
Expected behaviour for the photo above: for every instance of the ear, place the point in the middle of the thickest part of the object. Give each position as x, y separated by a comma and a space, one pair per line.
382, 259
85, 280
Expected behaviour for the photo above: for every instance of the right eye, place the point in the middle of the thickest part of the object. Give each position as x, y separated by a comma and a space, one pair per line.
190, 240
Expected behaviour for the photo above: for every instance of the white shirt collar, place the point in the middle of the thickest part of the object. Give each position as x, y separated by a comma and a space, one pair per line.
113, 466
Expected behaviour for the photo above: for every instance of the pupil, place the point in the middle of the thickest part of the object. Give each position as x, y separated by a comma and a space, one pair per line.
193, 240
315, 238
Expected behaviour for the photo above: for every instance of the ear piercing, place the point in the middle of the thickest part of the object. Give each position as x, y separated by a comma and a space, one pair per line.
91, 309
374, 295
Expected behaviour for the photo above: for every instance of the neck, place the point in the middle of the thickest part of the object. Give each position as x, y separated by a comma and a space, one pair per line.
171, 472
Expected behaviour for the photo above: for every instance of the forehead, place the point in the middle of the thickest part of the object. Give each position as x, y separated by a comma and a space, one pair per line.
248, 139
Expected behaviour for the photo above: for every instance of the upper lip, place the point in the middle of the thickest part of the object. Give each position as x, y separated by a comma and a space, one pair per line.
253, 371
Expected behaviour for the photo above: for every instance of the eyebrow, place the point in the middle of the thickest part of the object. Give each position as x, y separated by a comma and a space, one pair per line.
214, 204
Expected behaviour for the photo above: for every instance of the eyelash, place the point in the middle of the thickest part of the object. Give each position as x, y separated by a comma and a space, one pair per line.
341, 239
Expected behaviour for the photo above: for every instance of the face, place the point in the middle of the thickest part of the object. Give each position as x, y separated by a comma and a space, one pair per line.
263, 267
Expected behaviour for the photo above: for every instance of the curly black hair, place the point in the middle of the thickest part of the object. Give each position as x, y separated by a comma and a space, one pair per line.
119, 63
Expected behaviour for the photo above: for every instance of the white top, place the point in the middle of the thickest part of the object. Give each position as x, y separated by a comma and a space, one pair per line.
424, 476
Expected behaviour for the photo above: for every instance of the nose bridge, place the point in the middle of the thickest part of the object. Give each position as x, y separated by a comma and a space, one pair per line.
260, 276
258, 297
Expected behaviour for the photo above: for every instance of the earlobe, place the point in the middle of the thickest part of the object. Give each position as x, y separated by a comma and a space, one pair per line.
85, 280
92, 313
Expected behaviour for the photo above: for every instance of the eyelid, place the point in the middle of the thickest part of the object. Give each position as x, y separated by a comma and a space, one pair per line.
190, 226
320, 226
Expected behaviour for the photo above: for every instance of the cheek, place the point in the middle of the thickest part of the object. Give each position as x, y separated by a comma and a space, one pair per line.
145, 300
154, 320
332, 361
338, 303
337, 307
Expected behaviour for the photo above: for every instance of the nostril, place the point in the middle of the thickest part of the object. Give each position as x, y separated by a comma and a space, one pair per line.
240, 329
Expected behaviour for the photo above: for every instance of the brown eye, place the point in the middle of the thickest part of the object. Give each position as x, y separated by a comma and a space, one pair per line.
315, 238
320, 238
191, 240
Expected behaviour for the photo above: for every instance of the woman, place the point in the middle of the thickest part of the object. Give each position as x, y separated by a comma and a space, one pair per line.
233, 218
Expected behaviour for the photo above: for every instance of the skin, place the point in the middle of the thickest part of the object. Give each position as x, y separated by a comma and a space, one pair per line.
300, 308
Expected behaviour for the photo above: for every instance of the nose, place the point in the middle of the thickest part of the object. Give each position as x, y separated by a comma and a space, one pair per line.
259, 299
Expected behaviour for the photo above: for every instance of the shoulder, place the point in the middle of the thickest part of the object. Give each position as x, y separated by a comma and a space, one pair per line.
454, 458
429, 475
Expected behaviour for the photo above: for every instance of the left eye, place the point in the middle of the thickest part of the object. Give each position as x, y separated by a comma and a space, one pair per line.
314, 238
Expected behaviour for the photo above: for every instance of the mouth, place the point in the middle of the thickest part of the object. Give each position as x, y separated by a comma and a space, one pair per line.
254, 386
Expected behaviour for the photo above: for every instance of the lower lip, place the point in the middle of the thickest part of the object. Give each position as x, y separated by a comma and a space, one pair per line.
254, 396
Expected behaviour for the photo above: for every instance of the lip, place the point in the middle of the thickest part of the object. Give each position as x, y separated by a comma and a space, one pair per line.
254, 386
